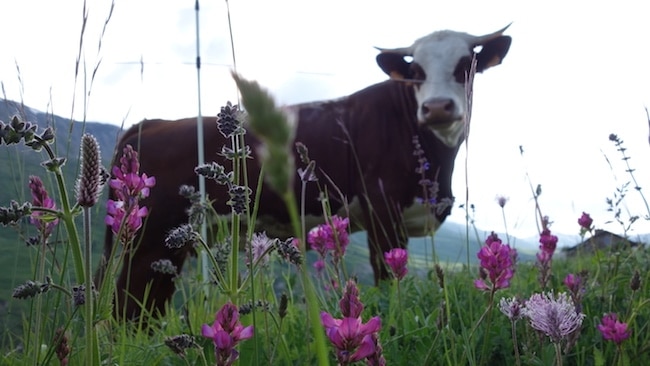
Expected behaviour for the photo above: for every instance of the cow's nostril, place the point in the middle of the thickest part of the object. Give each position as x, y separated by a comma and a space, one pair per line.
438, 110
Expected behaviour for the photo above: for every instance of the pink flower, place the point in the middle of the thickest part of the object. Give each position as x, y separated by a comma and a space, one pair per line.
40, 198
613, 330
226, 332
129, 187
585, 222
572, 282
548, 244
397, 259
497, 264
354, 341
332, 237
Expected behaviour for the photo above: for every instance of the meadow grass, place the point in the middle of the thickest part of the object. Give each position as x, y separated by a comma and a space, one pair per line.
451, 316
290, 310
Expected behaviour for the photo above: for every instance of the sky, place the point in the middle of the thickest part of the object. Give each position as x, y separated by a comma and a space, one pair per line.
576, 72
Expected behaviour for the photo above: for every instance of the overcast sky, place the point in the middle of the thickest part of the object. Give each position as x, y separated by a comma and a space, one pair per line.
576, 72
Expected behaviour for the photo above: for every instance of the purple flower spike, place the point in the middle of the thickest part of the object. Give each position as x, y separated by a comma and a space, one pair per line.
226, 332
497, 264
613, 330
397, 259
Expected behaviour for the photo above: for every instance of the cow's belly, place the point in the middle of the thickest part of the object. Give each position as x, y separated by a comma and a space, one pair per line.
417, 220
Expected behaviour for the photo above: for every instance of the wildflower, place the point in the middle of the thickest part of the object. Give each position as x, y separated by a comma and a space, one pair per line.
502, 200
181, 236
40, 198
17, 130
226, 332
289, 251
548, 244
572, 282
239, 198
132, 223
396, 259
129, 187
585, 222
552, 315
511, 308
497, 264
13, 213
284, 304
613, 330
260, 246
62, 348
228, 120
319, 265
332, 237
164, 266
178, 344
354, 340
30, 289
79, 294
635, 282
88, 185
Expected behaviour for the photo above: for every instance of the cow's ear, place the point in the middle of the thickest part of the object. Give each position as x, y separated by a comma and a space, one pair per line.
492, 52
394, 65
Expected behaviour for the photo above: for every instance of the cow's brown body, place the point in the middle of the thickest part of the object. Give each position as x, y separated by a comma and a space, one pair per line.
362, 143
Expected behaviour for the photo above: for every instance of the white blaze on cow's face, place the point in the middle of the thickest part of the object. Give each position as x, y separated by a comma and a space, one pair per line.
437, 66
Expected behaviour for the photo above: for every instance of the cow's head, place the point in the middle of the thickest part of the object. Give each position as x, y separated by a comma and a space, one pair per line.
437, 66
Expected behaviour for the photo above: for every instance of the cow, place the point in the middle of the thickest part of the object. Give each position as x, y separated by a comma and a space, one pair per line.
375, 150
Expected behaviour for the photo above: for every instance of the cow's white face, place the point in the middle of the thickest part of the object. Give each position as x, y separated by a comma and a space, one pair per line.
437, 66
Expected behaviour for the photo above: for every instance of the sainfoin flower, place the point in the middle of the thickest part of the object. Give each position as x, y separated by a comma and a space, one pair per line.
331, 237
354, 341
497, 263
547, 246
226, 332
585, 221
129, 187
612, 329
40, 198
553, 315
397, 259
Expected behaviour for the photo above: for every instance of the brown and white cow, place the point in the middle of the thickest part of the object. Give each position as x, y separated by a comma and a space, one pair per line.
362, 143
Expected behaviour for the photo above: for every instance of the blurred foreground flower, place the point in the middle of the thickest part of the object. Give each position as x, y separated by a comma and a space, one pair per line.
226, 332
354, 340
613, 330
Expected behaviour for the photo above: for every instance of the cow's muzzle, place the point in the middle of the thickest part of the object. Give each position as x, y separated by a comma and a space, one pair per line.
438, 111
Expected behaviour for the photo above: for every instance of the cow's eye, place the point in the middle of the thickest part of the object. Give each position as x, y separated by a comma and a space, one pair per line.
417, 73
462, 69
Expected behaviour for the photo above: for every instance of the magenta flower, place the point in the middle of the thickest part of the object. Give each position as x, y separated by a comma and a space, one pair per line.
226, 332
547, 246
331, 237
497, 264
40, 198
572, 282
585, 222
613, 330
555, 316
354, 341
129, 187
397, 259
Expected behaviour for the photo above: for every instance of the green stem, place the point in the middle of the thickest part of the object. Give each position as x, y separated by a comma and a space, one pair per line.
91, 342
558, 353
310, 295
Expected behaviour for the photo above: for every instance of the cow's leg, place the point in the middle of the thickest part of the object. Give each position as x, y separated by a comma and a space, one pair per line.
385, 232
138, 285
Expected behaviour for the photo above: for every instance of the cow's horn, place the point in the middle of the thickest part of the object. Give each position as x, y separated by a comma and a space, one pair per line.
482, 39
406, 51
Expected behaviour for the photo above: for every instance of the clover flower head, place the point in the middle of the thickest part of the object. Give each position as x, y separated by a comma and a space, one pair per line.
553, 315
